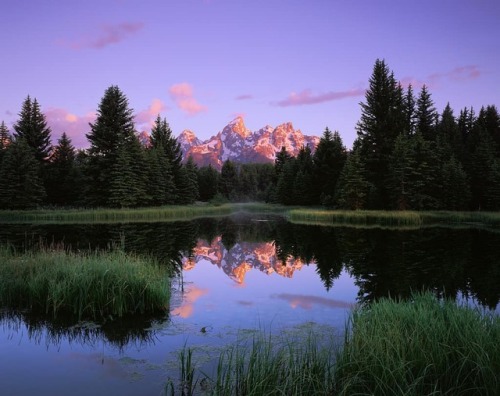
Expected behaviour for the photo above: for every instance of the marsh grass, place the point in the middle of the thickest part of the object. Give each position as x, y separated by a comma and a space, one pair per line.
423, 346
420, 347
149, 214
93, 285
263, 365
396, 219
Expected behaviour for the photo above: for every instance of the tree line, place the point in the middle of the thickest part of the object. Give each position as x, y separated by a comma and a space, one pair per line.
406, 156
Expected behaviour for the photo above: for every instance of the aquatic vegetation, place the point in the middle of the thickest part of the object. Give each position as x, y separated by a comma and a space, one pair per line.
92, 285
399, 219
148, 214
421, 346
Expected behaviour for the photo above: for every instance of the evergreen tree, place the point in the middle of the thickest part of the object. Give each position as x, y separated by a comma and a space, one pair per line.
161, 186
488, 120
161, 134
410, 111
382, 117
122, 188
21, 186
448, 134
303, 180
401, 170
285, 193
188, 188
329, 160
62, 175
208, 181
32, 127
228, 181
426, 115
353, 187
455, 186
113, 142
483, 174
4, 140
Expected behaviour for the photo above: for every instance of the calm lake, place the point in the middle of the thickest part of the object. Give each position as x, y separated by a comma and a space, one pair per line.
236, 275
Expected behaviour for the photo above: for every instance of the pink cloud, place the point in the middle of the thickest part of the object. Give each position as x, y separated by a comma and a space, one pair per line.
306, 97
458, 74
60, 120
146, 118
244, 97
183, 96
307, 302
107, 35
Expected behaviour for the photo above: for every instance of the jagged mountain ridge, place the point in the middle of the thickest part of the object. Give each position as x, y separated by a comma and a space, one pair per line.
241, 258
237, 143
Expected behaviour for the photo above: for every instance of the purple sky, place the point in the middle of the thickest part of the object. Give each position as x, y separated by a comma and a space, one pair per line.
202, 62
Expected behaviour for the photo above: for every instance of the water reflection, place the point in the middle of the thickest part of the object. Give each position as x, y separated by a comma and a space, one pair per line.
120, 333
451, 262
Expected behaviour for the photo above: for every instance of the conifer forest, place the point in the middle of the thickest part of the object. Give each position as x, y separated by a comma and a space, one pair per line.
407, 156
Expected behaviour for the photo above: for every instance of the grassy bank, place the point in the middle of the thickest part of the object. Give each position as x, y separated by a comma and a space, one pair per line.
418, 347
87, 285
359, 218
398, 219
149, 214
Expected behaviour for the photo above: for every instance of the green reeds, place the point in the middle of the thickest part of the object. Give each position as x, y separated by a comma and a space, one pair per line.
396, 219
420, 347
423, 346
149, 214
89, 285
264, 365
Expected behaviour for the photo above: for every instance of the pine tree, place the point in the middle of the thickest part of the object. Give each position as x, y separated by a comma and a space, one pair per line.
208, 181
281, 158
455, 186
161, 187
329, 160
285, 193
488, 120
303, 180
426, 115
21, 186
4, 140
61, 175
228, 181
410, 111
382, 117
188, 188
448, 134
32, 127
353, 187
161, 134
112, 140
401, 169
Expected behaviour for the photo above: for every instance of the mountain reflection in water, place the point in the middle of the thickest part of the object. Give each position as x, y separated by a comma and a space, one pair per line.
451, 262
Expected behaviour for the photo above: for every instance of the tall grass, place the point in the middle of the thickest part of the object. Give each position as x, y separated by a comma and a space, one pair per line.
88, 285
420, 347
263, 365
424, 346
149, 214
399, 219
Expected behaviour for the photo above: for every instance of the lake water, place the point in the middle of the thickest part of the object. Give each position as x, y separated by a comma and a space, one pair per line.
237, 275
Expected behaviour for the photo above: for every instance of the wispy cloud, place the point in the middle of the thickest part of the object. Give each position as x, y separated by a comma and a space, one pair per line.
458, 74
145, 118
186, 309
183, 96
306, 97
61, 120
307, 302
244, 97
105, 36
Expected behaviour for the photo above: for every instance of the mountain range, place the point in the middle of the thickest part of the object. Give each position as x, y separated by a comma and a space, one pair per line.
241, 258
238, 144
